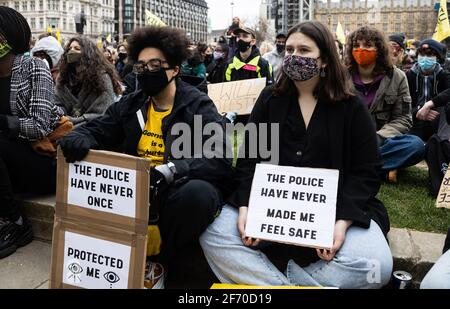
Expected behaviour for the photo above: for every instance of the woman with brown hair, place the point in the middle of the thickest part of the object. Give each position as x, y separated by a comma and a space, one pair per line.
322, 125
87, 84
385, 91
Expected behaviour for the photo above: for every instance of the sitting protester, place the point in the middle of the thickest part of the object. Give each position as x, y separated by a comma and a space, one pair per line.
194, 65
27, 115
385, 91
184, 190
216, 70
50, 51
322, 124
429, 85
88, 84
439, 275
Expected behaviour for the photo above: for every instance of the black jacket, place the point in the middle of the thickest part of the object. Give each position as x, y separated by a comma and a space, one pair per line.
119, 128
216, 71
436, 89
353, 151
242, 74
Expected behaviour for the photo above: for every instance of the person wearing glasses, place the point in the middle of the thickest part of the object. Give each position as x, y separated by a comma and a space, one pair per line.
185, 185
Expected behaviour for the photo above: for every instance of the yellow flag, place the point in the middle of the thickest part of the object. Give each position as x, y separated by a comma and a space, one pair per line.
340, 35
58, 35
49, 29
153, 20
442, 28
108, 38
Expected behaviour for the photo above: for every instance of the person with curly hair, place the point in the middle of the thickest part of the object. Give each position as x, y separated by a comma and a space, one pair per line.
185, 194
386, 94
87, 84
27, 115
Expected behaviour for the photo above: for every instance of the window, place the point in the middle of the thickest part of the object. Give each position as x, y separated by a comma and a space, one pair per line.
17, 5
41, 5
33, 23
32, 6
41, 23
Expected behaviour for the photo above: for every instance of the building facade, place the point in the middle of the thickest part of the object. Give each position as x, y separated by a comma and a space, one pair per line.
415, 18
287, 13
189, 15
56, 14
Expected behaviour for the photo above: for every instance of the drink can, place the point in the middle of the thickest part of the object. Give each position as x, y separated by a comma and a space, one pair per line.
402, 280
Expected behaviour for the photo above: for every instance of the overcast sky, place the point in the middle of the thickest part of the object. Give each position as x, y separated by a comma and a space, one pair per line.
220, 11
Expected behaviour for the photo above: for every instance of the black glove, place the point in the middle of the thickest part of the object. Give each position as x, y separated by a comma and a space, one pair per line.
75, 148
4, 123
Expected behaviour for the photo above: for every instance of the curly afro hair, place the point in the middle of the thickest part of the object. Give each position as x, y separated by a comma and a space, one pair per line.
172, 42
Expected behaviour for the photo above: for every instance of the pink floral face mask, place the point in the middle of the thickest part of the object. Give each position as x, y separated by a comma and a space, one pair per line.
300, 68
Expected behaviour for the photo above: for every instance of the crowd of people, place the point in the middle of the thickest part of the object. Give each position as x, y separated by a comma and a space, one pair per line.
366, 109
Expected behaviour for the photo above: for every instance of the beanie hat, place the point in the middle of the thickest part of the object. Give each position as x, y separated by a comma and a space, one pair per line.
399, 39
434, 45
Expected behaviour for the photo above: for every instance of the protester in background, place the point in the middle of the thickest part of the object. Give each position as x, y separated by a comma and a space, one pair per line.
122, 61
50, 51
276, 56
27, 115
232, 39
323, 125
216, 70
397, 43
265, 47
184, 192
429, 85
108, 55
439, 275
194, 66
247, 63
88, 84
340, 49
430, 91
385, 90
206, 52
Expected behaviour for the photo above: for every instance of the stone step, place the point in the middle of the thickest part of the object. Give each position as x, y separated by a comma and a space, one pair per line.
413, 251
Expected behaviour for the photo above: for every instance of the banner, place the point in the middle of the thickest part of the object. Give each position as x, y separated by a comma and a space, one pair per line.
153, 20
443, 198
101, 218
442, 28
293, 205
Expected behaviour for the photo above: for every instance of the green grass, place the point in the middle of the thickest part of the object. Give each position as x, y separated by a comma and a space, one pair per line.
408, 203
410, 206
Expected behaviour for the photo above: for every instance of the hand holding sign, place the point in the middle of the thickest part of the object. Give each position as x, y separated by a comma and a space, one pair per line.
340, 229
242, 220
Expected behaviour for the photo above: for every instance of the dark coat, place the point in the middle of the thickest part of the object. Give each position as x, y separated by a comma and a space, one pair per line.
353, 151
119, 128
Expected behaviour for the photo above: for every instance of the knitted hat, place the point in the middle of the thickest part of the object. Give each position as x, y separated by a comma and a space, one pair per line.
434, 45
399, 39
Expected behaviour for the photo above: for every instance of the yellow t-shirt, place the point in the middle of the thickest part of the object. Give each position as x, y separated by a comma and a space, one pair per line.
151, 144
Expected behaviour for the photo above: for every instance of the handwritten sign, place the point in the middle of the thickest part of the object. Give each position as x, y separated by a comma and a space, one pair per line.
443, 199
101, 218
293, 205
239, 96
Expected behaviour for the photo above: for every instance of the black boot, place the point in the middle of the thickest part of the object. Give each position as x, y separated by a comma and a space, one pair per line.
13, 236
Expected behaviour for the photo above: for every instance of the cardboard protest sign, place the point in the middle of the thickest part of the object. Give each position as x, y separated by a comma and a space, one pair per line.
100, 230
239, 96
293, 205
443, 199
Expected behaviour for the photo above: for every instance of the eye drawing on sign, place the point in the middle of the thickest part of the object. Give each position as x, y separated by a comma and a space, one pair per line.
111, 277
75, 271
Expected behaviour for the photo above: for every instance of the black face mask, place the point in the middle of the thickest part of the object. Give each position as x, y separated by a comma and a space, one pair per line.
281, 48
153, 83
123, 56
243, 46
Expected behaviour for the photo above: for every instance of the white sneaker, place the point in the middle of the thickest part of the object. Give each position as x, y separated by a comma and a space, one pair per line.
155, 276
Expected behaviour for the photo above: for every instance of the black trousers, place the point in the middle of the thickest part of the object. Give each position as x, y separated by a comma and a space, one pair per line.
22, 170
185, 214
437, 155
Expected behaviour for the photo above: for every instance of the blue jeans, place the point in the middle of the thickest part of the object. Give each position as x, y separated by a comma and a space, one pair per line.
402, 151
364, 261
439, 276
